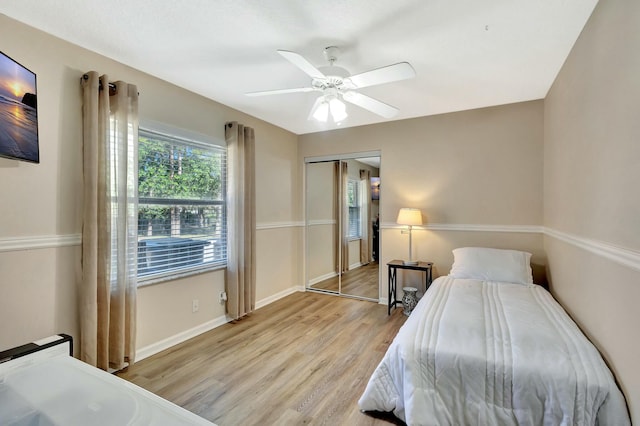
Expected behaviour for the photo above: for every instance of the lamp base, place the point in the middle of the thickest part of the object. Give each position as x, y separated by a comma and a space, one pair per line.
410, 262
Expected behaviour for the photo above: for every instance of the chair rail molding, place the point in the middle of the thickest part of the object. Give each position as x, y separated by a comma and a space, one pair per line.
39, 242
620, 255
528, 229
623, 256
276, 225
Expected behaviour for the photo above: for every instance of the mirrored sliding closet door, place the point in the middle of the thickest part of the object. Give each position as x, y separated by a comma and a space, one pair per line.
342, 239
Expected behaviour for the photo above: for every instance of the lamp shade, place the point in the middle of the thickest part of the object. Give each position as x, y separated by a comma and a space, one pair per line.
407, 216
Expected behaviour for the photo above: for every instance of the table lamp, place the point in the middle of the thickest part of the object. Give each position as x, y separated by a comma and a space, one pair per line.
409, 217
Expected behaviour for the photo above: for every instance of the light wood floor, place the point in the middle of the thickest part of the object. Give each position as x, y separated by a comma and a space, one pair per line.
362, 282
304, 359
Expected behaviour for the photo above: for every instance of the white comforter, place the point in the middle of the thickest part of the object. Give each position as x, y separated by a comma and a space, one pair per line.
488, 353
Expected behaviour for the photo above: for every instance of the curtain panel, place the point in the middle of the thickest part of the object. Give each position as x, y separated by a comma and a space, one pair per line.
337, 239
241, 220
344, 211
107, 297
365, 203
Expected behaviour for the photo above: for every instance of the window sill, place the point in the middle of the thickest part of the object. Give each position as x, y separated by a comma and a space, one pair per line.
354, 239
157, 279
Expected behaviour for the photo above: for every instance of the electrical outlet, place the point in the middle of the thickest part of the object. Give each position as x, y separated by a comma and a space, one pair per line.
223, 297
195, 306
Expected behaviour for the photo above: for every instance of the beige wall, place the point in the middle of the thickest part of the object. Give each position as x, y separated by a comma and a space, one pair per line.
354, 254
38, 286
592, 172
480, 167
321, 221
477, 167
321, 252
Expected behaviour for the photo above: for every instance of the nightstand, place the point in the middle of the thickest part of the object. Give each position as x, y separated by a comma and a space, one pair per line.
394, 265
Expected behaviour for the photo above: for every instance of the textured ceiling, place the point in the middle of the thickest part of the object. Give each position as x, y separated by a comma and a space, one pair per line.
467, 53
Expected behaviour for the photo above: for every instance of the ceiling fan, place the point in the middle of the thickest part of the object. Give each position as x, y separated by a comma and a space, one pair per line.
337, 84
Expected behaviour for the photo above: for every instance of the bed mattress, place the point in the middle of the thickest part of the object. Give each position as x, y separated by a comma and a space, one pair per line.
480, 352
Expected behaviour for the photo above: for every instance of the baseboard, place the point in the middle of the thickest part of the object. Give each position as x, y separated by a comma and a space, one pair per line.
183, 336
322, 278
268, 300
355, 266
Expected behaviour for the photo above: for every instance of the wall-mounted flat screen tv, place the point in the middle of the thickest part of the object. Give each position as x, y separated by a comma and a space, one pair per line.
18, 112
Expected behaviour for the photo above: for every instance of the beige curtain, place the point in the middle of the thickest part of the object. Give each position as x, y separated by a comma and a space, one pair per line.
107, 301
365, 206
336, 216
241, 221
344, 185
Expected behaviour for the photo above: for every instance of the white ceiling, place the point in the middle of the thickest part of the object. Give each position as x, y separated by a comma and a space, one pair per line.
467, 53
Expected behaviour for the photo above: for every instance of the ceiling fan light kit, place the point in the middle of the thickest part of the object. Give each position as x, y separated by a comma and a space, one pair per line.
338, 110
321, 112
328, 104
337, 84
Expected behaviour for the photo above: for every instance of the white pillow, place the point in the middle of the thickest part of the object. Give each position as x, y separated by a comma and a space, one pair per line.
489, 264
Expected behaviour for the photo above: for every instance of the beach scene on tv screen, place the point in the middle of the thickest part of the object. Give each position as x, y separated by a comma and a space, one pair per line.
18, 111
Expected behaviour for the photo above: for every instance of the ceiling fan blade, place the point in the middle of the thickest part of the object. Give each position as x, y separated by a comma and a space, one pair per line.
395, 72
370, 104
281, 91
302, 63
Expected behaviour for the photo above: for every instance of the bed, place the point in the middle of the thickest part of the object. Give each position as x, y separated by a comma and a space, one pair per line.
41, 384
487, 346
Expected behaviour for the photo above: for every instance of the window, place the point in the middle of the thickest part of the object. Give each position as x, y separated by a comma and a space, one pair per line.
353, 200
181, 206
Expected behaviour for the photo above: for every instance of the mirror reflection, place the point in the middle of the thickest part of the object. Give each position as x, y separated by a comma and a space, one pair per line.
342, 226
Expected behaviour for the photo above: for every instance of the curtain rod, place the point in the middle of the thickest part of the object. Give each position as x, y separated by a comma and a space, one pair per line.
111, 85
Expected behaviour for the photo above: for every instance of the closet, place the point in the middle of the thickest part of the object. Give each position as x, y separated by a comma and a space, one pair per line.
342, 196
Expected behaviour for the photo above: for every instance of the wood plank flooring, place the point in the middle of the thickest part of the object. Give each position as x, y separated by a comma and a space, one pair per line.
304, 359
361, 282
